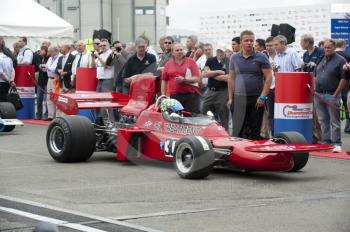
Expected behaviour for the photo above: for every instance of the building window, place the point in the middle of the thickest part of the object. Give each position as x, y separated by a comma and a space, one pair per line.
138, 11
145, 10
150, 12
72, 8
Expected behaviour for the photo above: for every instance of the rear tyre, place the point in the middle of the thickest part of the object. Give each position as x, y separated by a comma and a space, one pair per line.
300, 158
7, 111
194, 157
71, 139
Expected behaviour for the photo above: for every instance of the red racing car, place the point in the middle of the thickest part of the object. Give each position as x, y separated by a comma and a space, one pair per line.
134, 128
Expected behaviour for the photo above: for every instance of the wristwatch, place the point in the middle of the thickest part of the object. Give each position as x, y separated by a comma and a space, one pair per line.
263, 98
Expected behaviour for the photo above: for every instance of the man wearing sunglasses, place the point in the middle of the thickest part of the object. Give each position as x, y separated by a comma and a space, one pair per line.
166, 56
105, 72
96, 44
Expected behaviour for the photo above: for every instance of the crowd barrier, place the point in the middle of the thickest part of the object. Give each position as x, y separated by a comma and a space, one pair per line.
293, 103
86, 81
26, 90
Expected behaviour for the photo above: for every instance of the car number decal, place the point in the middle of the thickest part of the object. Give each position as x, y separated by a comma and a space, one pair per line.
204, 143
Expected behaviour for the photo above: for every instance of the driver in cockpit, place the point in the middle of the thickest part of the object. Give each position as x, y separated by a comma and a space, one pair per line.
171, 109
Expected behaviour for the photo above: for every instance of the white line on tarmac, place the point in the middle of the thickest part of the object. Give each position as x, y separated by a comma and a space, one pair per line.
165, 213
102, 219
100, 186
259, 203
51, 220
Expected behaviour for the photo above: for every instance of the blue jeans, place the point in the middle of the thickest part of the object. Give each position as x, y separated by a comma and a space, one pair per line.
328, 118
41, 97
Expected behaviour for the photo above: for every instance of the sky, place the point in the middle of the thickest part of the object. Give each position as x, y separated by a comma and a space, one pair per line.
184, 14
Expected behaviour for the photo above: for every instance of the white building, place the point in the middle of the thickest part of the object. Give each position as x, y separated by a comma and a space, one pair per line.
221, 27
125, 19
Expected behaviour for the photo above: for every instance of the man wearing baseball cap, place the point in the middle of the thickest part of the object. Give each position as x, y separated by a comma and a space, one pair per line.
216, 70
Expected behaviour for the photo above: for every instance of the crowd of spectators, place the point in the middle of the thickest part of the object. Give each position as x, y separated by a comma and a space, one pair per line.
236, 82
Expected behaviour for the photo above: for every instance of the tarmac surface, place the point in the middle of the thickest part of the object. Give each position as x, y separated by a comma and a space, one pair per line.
106, 195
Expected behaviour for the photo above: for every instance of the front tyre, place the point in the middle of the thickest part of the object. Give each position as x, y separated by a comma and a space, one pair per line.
71, 139
300, 158
194, 157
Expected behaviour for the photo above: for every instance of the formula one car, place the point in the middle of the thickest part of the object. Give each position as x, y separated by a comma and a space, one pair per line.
195, 143
8, 120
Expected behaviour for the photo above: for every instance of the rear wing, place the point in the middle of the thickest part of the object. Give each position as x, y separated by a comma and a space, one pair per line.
71, 103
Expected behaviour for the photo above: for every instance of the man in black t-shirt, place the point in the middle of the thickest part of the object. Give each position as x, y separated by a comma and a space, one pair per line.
141, 62
216, 70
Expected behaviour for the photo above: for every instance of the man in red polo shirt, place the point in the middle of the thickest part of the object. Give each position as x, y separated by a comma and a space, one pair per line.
180, 79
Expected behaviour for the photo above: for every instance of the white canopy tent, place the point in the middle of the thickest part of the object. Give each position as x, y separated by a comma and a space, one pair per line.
30, 19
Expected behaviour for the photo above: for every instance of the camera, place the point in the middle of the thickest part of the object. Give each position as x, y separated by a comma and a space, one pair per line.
118, 49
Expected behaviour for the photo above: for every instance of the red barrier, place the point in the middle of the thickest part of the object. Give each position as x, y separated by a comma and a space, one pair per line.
23, 74
86, 79
26, 90
293, 103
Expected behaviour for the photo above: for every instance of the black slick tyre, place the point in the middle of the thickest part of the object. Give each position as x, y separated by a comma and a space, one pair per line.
194, 157
71, 139
300, 158
7, 111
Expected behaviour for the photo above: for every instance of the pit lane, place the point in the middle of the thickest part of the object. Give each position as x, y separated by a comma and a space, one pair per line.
151, 195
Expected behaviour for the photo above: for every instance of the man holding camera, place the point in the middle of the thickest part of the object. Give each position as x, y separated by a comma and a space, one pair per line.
118, 60
105, 71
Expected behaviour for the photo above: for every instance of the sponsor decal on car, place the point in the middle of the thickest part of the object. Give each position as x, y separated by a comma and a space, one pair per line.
62, 99
181, 129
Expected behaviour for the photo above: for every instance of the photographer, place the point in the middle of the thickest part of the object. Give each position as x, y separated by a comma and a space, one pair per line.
117, 59
105, 71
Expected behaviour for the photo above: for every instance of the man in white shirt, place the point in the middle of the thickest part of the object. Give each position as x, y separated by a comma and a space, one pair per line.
25, 55
287, 59
105, 71
7, 75
53, 82
207, 53
82, 59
